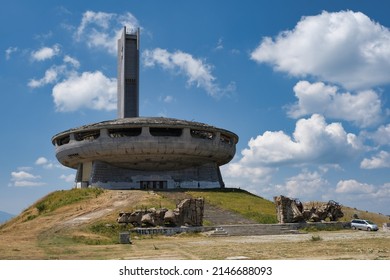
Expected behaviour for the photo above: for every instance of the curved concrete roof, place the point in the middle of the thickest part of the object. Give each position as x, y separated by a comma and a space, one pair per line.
145, 121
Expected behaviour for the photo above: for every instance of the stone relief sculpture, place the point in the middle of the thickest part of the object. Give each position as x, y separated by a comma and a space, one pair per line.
189, 212
292, 211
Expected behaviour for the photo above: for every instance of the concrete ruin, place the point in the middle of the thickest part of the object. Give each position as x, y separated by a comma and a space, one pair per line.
292, 211
189, 212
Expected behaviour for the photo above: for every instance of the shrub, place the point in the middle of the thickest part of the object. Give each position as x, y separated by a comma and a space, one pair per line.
41, 206
315, 238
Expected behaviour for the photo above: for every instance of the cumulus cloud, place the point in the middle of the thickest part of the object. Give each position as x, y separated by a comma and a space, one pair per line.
305, 185
196, 70
25, 179
41, 161
101, 30
381, 136
45, 53
90, 90
381, 160
23, 175
241, 175
345, 48
47, 164
68, 178
313, 141
50, 77
363, 108
365, 195
353, 186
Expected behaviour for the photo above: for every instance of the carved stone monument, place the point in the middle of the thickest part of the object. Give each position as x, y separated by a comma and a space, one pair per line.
188, 212
292, 211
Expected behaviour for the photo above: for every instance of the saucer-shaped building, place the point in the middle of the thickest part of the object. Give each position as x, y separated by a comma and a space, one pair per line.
134, 152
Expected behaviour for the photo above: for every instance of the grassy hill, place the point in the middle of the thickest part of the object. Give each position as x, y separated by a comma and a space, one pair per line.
88, 216
67, 224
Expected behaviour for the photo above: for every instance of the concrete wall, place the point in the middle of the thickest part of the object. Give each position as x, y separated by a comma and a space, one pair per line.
111, 177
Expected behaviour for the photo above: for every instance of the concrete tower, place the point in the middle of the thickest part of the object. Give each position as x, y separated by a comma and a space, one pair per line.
128, 75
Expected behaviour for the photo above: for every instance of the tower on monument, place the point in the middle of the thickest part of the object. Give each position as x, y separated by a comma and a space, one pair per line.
128, 75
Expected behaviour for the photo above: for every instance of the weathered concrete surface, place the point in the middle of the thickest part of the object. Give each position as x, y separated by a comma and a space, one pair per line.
292, 211
189, 212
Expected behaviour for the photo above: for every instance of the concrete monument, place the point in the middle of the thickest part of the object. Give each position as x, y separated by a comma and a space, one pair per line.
134, 152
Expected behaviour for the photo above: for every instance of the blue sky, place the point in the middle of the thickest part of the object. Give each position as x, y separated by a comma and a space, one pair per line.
305, 85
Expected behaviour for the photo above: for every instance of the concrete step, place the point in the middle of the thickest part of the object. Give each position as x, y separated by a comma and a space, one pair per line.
217, 216
260, 229
218, 232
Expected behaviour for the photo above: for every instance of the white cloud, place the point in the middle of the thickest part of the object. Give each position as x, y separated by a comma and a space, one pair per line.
381, 160
47, 164
363, 195
51, 76
381, 136
10, 51
345, 48
363, 108
238, 174
197, 71
219, 44
41, 161
306, 185
353, 187
168, 99
90, 90
25, 179
23, 175
25, 168
45, 53
28, 184
313, 141
102, 30
74, 62
68, 178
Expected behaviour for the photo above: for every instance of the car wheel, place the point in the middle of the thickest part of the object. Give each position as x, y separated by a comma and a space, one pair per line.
368, 229
354, 228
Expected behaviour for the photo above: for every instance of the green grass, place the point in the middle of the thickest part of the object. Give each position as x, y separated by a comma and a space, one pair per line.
62, 198
158, 201
248, 205
110, 231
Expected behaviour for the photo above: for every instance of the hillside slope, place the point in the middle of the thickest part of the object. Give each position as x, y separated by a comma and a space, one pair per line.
88, 216
64, 224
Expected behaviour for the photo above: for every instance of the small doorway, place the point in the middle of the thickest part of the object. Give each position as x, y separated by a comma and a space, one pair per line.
153, 185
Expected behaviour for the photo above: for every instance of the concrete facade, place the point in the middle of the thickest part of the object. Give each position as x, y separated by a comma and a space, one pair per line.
134, 152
